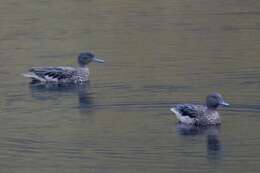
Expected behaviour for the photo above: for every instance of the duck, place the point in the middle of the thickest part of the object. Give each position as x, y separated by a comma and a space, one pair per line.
64, 74
200, 115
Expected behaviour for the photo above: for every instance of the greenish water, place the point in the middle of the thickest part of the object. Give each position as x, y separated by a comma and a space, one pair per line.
157, 53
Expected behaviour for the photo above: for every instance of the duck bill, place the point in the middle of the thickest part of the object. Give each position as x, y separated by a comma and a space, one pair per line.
224, 104
98, 60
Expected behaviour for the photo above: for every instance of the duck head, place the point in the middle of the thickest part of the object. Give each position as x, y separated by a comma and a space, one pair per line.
85, 58
214, 100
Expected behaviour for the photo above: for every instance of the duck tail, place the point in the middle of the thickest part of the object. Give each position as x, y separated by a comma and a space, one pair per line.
177, 113
33, 76
174, 110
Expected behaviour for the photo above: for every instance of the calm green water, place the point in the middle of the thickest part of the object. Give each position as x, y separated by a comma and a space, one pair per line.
157, 53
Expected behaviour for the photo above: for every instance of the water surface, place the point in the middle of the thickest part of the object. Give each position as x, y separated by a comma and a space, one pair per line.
157, 53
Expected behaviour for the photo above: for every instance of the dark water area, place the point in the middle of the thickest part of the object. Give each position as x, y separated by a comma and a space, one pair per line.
157, 53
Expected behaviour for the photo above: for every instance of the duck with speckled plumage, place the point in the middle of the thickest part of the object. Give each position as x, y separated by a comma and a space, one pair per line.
201, 115
64, 74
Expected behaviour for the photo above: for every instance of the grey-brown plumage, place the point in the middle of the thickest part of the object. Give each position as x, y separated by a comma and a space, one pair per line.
64, 74
200, 114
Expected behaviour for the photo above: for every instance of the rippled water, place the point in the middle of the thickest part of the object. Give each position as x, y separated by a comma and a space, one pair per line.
157, 53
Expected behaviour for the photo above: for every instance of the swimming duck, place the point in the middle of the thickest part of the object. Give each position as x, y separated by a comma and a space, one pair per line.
64, 74
201, 115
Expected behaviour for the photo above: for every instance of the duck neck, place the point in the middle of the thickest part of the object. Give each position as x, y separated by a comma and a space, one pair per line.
82, 65
211, 108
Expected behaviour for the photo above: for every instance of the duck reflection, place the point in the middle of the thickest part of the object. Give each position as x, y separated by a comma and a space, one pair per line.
54, 91
211, 133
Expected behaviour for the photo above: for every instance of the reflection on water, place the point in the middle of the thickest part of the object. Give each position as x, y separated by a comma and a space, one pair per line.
50, 91
211, 134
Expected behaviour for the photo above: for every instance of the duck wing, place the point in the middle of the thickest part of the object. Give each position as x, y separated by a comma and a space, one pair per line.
187, 110
54, 73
